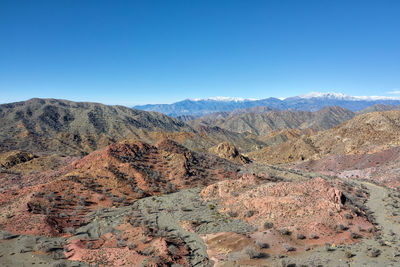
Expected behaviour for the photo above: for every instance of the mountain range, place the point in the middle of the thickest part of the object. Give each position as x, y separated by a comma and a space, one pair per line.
78, 128
310, 102
263, 121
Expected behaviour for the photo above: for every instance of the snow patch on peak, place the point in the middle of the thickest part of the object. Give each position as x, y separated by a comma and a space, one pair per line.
224, 99
340, 96
330, 95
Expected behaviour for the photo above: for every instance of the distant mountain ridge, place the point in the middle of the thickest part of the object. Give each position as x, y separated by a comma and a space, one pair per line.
309, 102
263, 121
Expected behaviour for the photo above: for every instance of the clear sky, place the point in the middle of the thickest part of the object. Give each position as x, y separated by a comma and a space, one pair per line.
136, 52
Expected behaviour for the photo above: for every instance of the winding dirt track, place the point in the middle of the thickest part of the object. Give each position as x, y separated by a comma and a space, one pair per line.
388, 242
377, 205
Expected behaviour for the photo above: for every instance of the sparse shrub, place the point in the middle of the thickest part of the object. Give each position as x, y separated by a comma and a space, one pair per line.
348, 216
232, 214
313, 236
261, 244
328, 247
59, 264
284, 231
249, 213
234, 194
288, 247
101, 198
382, 243
251, 252
285, 263
300, 236
172, 249
373, 253
355, 235
121, 243
348, 254
268, 225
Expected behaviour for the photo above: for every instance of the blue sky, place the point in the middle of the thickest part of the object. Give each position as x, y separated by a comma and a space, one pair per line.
136, 52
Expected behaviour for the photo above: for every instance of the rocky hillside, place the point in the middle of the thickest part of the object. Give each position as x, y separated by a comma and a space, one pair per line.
51, 125
365, 133
378, 107
163, 167
206, 137
264, 121
229, 151
380, 167
116, 175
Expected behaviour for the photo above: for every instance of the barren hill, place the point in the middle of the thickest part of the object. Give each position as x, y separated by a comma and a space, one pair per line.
51, 125
378, 107
229, 151
112, 176
380, 167
264, 121
365, 133
205, 137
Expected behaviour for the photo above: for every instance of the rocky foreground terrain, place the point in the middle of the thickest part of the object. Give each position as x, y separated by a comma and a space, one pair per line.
84, 184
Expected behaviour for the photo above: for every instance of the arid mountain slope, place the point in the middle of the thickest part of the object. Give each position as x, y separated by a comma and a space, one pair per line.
50, 125
381, 167
206, 137
229, 151
112, 176
262, 123
284, 135
365, 133
378, 107
165, 165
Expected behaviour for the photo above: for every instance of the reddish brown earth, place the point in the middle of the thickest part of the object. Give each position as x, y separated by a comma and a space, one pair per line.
312, 207
115, 175
107, 251
54, 202
380, 167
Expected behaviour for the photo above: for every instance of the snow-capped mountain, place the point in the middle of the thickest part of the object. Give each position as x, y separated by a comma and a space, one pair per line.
224, 98
328, 95
340, 96
309, 102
